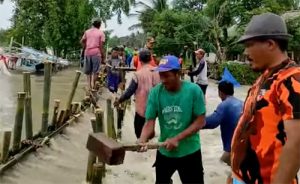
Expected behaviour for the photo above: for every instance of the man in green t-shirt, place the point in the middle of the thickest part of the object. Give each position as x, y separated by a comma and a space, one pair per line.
179, 106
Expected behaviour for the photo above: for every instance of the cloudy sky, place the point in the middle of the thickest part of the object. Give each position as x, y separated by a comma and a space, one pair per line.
6, 12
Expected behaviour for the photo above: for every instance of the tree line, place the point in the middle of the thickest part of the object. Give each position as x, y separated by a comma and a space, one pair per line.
214, 25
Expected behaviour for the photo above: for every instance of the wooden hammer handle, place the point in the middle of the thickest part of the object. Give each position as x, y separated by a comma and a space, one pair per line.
136, 147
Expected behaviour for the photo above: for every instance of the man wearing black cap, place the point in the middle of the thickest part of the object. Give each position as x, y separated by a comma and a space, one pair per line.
226, 115
266, 142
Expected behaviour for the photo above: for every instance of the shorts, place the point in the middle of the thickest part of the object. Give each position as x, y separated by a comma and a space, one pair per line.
91, 64
189, 167
139, 123
113, 81
203, 88
236, 181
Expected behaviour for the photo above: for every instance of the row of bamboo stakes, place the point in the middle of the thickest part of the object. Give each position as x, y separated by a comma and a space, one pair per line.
95, 167
11, 154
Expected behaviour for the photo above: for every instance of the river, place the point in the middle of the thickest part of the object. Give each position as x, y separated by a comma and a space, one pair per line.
60, 88
64, 162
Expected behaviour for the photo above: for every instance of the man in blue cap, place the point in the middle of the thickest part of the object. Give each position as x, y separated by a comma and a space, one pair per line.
179, 106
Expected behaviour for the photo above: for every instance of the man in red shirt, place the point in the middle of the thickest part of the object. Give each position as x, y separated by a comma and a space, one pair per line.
93, 40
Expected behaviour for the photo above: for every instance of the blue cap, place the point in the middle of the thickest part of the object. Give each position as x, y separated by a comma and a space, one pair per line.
168, 63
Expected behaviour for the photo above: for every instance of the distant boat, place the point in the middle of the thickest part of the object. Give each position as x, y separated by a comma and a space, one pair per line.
3, 68
29, 65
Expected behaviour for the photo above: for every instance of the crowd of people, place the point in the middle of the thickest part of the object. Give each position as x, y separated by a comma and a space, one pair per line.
260, 136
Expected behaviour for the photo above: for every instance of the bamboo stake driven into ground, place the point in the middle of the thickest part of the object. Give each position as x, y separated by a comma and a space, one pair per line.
18, 121
5, 146
46, 100
28, 105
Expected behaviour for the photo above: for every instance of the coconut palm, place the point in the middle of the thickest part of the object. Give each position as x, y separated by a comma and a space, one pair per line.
147, 13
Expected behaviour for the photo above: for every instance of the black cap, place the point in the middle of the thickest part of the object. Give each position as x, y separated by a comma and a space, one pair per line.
267, 25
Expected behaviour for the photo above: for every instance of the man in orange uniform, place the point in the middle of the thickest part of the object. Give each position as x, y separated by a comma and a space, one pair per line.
149, 45
266, 142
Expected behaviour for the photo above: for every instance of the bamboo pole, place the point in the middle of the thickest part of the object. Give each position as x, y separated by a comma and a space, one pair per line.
97, 125
11, 44
77, 107
28, 118
46, 101
97, 173
99, 120
55, 114
93, 123
31, 148
92, 157
18, 121
110, 120
27, 83
74, 87
60, 118
5, 146
28, 105
99, 113
74, 107
71, 96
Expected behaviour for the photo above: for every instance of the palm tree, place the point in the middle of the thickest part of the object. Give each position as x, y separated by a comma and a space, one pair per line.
106, 9
146, 15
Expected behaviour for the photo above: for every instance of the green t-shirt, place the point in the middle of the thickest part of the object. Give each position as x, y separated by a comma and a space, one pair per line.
176, 112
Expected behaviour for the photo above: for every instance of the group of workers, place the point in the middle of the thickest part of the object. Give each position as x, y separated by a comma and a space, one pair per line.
261, 139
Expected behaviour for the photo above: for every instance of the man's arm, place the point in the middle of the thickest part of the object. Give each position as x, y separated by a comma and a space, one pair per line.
148, 131
215, 119
198, 124
83, 41
129, 91
289, 163
102, 41
198, 71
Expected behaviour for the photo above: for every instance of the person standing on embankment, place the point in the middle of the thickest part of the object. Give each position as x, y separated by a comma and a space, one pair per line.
179, 106
142, 82
149, 45
266, 142
92, 41
200, 71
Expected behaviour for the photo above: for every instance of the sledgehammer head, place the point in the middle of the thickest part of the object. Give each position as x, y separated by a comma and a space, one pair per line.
108, 150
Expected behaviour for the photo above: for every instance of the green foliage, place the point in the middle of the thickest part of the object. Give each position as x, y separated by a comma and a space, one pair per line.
189, 5
4, 37
242, 72
294, 29
147, 14
58, 24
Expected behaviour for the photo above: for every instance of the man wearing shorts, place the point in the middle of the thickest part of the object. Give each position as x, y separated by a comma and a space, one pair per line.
179, 106
93, 40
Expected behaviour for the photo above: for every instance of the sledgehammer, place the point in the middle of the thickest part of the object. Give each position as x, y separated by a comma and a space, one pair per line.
110, 151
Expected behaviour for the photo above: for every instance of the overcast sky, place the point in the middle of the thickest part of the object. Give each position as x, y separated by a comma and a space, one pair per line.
6, 12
